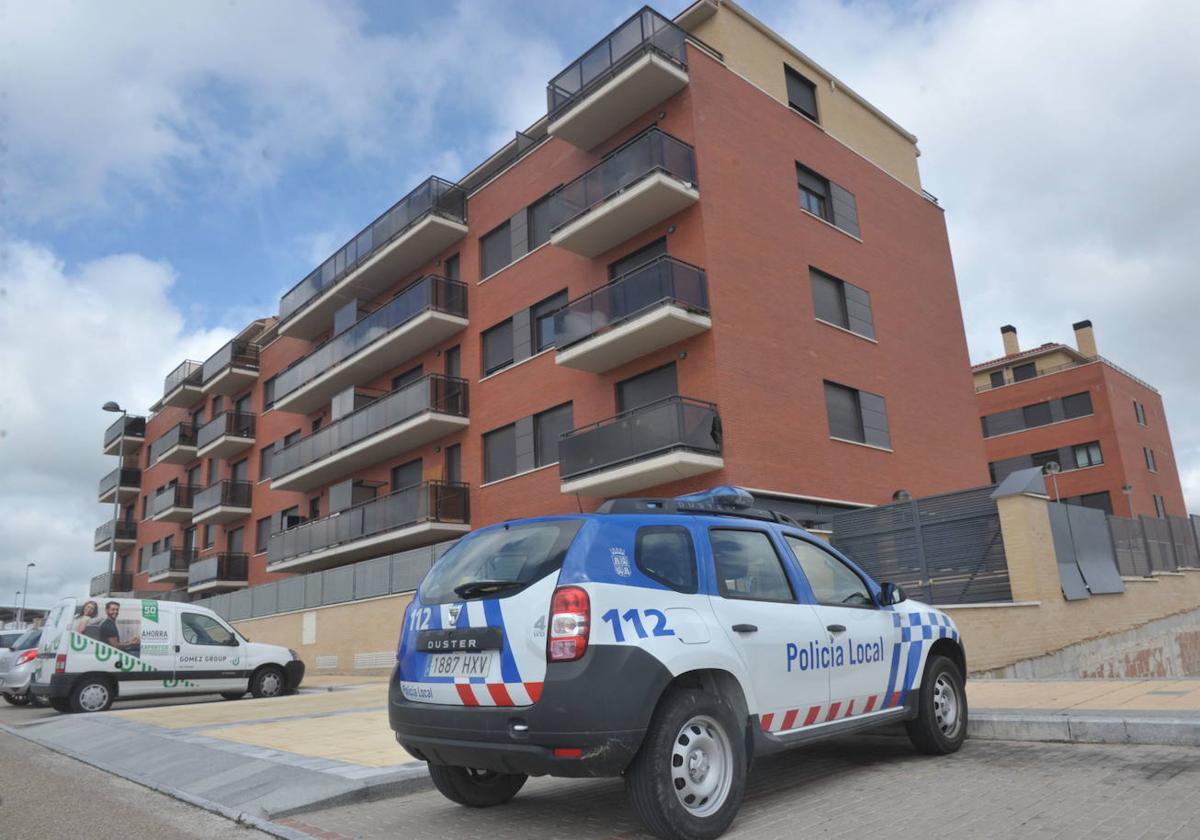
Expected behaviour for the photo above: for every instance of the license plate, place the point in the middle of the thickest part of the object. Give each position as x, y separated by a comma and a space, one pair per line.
459, 665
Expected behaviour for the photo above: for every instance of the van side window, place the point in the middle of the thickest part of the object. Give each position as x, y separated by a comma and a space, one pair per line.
748, 567
664, 553
202, 630
833, 582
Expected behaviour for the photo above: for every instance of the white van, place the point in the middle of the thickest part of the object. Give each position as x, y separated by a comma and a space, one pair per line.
94, 651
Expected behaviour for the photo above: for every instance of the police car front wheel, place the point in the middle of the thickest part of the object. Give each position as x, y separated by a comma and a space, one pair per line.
940, 726
475, 788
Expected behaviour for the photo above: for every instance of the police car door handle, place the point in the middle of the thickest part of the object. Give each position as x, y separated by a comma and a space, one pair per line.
744, 628
836, 628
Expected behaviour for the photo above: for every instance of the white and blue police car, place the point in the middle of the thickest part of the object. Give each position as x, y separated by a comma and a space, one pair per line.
669, 641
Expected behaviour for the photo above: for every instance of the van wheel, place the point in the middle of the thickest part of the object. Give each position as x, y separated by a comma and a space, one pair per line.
940, 726
60, 704
16, 699
688, 778
475, 788
267, 683
233, 695
91, 694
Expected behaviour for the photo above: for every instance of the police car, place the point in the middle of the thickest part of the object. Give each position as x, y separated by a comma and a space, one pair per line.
669, 641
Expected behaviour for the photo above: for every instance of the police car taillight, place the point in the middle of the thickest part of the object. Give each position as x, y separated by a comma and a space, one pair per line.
60, 664
569, 622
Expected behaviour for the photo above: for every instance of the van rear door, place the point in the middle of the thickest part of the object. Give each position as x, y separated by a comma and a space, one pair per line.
55, 632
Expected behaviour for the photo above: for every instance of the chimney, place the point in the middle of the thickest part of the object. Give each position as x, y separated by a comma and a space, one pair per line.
1085, 339
1009, 333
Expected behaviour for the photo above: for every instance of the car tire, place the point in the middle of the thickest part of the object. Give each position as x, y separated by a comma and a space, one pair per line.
15, 699
92, 694
689, 775
940, 726
268, 682
60, 704
233, 695
475, 788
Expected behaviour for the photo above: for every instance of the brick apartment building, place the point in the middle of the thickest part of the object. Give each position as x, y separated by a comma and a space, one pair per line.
1104, 427
709, 262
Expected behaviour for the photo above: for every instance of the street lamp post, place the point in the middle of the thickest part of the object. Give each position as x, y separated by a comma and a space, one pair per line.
112, 544
24, 592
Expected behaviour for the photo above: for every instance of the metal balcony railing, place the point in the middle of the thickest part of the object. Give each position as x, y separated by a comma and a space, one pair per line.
227, 493
171, 560
240, 353
662, 281
435, 196
120, 528
121, 477
430, 501
430, 393
220, 568
231, 423
188, 373
181, 434
646, 31
431, 293
668, 424
649, 152
108, 583
131, 425
177, 496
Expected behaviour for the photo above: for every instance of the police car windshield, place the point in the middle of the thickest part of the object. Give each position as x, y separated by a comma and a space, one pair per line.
499, 562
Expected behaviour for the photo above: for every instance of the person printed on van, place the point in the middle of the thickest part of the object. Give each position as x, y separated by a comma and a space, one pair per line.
87, 617
110, 635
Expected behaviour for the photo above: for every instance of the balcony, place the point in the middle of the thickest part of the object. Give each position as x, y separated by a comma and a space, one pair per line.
181, 388
225, 435
425, 222
222, 502
125, 436
125, 533
109, 583
649, 179
424, 314
120, 485
430, 408
231, 369
654, 306
173, 504
169, 565
219, 573
640, 64
176, 446
664, 441
419, 515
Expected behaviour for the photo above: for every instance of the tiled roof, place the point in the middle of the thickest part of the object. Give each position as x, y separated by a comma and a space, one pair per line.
1048, 347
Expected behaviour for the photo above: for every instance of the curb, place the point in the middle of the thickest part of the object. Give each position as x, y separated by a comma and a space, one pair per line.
1084, 729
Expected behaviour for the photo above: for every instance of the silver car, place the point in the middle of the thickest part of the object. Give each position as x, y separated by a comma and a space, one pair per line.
7, 637
16, 670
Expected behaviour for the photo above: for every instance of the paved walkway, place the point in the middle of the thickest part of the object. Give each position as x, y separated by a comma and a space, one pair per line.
1125, 696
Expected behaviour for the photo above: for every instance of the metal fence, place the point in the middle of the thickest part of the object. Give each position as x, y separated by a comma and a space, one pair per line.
943, 549
1149, 544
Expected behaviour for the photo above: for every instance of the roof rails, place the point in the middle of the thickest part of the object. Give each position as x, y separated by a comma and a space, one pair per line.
667, 506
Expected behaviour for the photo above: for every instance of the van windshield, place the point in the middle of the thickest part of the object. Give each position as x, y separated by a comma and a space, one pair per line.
499, 562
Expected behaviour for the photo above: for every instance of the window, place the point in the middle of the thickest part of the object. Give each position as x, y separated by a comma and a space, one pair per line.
208, 536
1077, 405
290, 518
541, 318
643, 255
541, 220
315, 425
235, 541
1160, 507
156, 547
262, 534
452, 359
500, 453
198, 418
408, 377
814, 193
269, 392
1151, 464
495, 250
802, 94
290, 438
1097, 501
548, 426
646, 388
453, 463
451, 268
841, 303
264, 461
664, 553
204, 630
1023, 372
997, 378
240, 471
498, 347
218, 404
1040, 459
1139, 411
747, 566
857, 416
1087, 455
833, 582
406, 475
1037, 414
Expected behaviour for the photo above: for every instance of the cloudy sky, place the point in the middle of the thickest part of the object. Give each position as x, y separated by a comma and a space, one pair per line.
168, 170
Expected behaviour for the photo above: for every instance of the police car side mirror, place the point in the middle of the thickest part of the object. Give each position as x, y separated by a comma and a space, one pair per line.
891, 593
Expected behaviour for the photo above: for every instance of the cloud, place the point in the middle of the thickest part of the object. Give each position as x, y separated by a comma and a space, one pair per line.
1063, 144
73, 338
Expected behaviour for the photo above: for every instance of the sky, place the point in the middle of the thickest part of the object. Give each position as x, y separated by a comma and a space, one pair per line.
167, 171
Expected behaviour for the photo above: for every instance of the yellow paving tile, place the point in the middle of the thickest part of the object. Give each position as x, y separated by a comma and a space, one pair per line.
363, 738
248, 709
1086, 695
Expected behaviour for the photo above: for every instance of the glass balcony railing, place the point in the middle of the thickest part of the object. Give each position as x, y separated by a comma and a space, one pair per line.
130, 425
220, 568
120, 528
430, 393
231, 423
435, 196
430, 293
660, 282
172, 560
188, 373
121, 477
181, 434
177, 496
108, 583
223, 493
668, 424
651, 151
238, 353
431, 501
645, 32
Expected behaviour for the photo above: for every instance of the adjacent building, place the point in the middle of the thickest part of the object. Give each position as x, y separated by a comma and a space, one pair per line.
1104, 428
710, 261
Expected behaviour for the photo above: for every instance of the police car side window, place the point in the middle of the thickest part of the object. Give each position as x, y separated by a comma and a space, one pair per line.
747, 566
832, 581
664, 553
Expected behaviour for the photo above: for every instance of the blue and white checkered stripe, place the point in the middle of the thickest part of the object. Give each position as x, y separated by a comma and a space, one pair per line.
915, 629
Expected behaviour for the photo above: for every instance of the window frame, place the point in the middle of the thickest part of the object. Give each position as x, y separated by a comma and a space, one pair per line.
538, 460
504, 230
1151, 461
789, 73
736, 596
824, 196
691, 544
483, 348
511, 428
233, 636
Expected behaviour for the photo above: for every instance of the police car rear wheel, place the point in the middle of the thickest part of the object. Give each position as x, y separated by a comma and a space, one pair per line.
940, 726
475, 788
688, 778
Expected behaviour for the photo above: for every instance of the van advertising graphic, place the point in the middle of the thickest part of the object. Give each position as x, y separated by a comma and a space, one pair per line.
110, 626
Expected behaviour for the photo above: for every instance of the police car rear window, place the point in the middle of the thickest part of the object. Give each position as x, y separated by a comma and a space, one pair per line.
664, 553
511, 557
